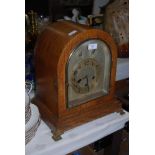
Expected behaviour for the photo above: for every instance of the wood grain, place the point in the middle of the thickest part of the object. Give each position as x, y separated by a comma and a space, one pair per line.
52, 52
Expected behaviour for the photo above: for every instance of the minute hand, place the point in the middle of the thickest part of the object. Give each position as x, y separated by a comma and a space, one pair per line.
87, 82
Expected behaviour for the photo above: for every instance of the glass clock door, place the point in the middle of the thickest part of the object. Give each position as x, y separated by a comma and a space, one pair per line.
88, 72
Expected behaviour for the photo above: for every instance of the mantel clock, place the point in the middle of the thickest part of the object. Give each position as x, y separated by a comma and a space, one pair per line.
75, 70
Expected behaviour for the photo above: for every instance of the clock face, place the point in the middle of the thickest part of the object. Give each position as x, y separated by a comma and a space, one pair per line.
88, 72
85, 76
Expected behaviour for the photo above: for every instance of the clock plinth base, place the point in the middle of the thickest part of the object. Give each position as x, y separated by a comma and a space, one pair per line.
69, 121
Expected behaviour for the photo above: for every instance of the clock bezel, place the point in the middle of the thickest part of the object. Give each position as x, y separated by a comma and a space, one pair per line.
66, 74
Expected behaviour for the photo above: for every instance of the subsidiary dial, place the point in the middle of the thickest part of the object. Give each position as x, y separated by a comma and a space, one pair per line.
85, 76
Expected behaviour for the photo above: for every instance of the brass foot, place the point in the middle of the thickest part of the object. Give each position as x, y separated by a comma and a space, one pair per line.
57, 135
121, 112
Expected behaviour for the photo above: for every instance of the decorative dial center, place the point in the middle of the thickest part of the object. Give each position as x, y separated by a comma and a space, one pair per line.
85, 76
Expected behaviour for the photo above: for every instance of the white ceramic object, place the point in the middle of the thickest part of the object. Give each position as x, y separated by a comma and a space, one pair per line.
27, 107
27, 99
78, 18
75, 17
32, 125
27, 114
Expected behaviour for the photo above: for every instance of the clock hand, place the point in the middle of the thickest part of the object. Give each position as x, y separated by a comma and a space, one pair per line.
87, 82
81, 79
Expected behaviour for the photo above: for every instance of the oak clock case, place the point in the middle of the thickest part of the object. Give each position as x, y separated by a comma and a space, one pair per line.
75, 75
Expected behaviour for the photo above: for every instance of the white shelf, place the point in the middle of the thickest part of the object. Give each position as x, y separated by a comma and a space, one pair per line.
43, 144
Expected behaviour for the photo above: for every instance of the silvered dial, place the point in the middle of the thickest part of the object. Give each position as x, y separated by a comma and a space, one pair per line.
88, 72
85, 76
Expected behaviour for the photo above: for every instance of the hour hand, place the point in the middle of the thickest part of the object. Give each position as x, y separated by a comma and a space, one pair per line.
79, 80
